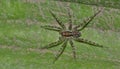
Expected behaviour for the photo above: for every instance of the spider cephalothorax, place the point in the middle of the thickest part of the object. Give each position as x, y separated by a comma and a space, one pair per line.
75, 34
70, 34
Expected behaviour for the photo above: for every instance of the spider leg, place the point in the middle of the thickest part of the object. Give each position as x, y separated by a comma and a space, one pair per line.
70, 19
70, 26
73, 49
53, 28
61, 50
58, 21
88, 42
87, 21
54, 44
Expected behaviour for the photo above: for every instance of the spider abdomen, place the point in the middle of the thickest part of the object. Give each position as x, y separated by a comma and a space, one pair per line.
71, 34
66, 33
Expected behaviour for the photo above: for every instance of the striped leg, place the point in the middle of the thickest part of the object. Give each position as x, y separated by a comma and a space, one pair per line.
61, 51
70, 26
87, 21
73, 49
58, 21
54, 44
88, 42
53, 28
70, 19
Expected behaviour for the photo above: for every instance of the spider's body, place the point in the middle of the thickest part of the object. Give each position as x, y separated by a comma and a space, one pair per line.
73, 33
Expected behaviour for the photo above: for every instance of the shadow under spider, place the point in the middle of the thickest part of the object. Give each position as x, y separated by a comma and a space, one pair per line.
70, 34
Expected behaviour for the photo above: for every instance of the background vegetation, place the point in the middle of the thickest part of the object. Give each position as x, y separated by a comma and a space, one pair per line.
21, 36
103, 3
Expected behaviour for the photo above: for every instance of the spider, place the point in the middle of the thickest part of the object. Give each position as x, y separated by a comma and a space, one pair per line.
69, 34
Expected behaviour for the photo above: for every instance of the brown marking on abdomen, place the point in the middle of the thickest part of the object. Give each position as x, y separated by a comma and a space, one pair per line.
69, 34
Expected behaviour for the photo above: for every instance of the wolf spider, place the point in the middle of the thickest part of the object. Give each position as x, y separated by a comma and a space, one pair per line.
70, 34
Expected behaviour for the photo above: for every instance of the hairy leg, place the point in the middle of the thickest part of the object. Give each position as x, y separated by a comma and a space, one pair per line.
61, 50
86, 22
69, 19
73, 49
88, 42
54, 44
58, 21
53, 28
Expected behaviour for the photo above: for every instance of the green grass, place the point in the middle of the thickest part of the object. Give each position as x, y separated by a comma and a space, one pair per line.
15, 53
21, 37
